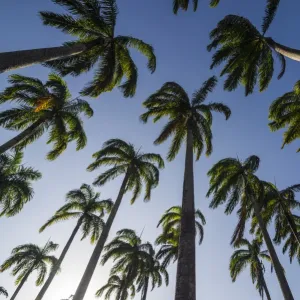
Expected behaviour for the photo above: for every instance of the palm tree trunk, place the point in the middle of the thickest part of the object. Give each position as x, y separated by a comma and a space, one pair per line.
291, 53
292, 226
186, 274
60, 260
20, 137
89, 271
145, 289
21, 284
286, 291
24, 58
265, 287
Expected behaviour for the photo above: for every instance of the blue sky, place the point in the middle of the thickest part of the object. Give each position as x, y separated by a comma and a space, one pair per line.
180, 43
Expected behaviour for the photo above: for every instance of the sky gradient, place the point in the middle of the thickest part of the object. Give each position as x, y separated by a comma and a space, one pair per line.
180, 44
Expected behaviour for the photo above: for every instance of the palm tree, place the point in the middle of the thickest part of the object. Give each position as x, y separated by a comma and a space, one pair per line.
283, 114
248, 53
189, 120
3, 291
184, 5
15, 183
153, 274
169, 239
84, 205
93, 23
251, 256
43, 106
28, 258
119, 286
130, 255
138, 168
231, 180
291, 244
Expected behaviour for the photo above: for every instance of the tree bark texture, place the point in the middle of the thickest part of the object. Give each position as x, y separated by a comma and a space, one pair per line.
186, 266
291, 53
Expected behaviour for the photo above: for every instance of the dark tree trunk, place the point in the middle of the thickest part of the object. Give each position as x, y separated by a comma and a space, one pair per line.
24, 58
89, 271
20, 285
265, 287
186, 274
286, 291
291, 53
20, 137
60, 260
293, 226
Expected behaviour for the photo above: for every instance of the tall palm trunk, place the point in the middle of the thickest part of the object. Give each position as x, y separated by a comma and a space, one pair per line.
24, 58
286, 291
20, 137
21, 284
186, 274
293, 226
58, 264
89, 271
291, 53
266, 290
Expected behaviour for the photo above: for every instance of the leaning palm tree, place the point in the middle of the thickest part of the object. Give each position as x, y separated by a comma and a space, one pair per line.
248, 53
154, 274
252, 256
92, 23
137, 168
84, 205
131, 257
15, 183
43, 107
3, 291
231, 181
28, 258
118, 285
190, 121
283, 114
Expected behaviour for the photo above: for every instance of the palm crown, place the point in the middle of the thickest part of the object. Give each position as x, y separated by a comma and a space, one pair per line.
15, 183
184, 115
247, 52
84, 205
28, 258
284, 114
3, 291
93, 23
50, 107
252, 256
118, 285
130, 255
140, 167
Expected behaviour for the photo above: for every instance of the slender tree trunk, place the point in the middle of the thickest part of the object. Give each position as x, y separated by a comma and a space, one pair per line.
92, 264
286, 291
145, 290
293, 226
20, 285
20, 137
265, 287
291, 53
60, 260
186, 274
24, 58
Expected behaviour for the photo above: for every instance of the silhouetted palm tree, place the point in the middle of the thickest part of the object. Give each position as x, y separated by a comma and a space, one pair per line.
138, 168
43, 107
15, 183
233, 182
251, 256
84, 205
189, 120
92, 23
28, 258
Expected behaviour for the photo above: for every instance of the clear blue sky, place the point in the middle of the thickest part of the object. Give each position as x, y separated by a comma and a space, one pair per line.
180, 44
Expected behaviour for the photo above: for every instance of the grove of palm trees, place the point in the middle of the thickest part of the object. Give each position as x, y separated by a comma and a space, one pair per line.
148, 150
